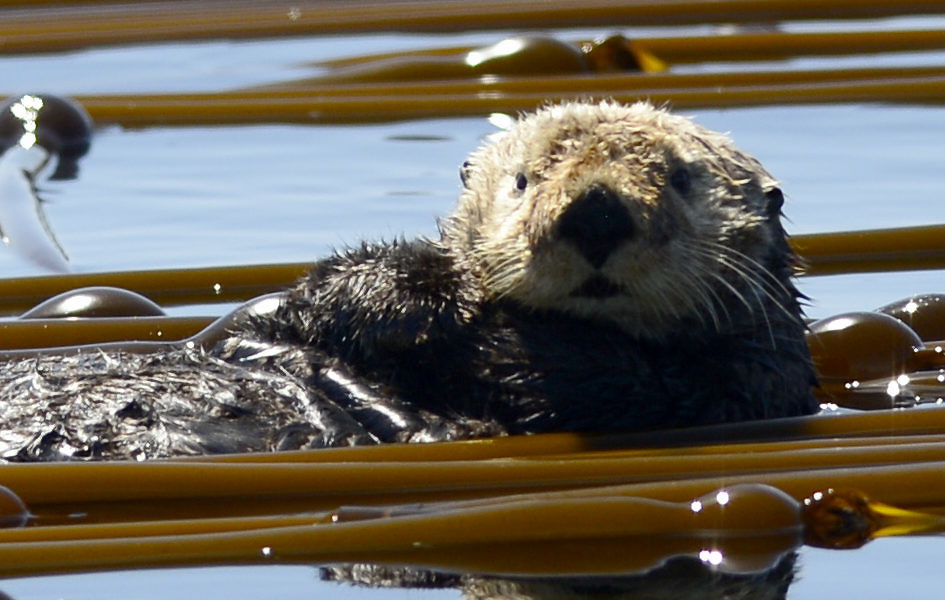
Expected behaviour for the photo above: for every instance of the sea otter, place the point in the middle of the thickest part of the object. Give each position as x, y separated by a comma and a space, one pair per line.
609, 267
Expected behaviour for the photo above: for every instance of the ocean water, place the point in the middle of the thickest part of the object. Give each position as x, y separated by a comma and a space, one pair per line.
199, 196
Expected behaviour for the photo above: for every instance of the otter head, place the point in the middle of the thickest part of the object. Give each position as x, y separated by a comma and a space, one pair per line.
623, 214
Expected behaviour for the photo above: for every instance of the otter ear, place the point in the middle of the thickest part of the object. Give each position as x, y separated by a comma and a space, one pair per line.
775, 200
464, 174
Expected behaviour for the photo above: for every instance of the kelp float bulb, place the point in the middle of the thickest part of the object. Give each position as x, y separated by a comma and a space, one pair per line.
59, 125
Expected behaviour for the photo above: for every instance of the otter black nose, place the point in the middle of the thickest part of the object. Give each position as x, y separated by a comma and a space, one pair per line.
596, 223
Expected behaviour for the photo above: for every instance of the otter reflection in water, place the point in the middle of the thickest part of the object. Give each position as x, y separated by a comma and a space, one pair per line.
678, 578
609, 267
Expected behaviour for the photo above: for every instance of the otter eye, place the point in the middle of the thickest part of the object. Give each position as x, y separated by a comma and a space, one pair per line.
521, 182
681, 181
464, 174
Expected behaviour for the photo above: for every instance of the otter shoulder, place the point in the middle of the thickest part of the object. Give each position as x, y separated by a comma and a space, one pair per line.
377, 298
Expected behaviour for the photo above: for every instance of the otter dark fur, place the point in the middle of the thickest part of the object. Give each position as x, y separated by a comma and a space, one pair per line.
609, 268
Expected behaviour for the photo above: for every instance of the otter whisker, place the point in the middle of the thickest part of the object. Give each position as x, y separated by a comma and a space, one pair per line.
671, 304
757, 276
755, 285
708, 298
745, 268
771, 281
744, 301
718, 277
713, 303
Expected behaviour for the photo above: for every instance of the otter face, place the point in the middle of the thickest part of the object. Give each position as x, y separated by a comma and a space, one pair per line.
626, 214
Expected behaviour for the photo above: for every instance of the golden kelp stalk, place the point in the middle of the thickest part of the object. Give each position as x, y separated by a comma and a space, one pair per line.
48, 27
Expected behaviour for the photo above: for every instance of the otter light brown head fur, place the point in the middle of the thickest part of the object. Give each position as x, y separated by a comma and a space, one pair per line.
622, 213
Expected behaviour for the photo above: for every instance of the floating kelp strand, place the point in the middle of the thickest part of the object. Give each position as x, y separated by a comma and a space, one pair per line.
56, 28
314, 108
22, 338
824, 253
166, 287
91, 487
738, 528
464, 538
